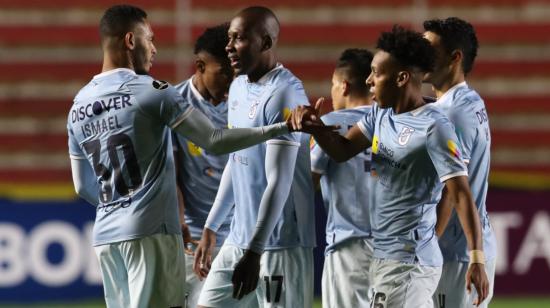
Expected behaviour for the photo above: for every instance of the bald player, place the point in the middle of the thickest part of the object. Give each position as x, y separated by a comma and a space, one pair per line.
272, 231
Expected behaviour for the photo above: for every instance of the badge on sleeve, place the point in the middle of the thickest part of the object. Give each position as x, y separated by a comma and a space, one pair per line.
160, 84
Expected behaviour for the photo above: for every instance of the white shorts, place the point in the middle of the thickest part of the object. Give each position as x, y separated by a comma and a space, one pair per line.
401, 285
193, 284
451, 291
145, 272
286, 279
346, 274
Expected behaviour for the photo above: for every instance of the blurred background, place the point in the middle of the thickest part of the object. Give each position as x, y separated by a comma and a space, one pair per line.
50, 49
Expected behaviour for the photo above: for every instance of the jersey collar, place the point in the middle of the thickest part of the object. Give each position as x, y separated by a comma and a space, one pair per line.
114, 71
452, 90
194, 90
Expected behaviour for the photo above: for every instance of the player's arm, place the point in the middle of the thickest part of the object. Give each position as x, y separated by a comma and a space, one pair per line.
340, 148
223, 203
178, 164
458, 192
196, 127
85, 180
444, 211
280, 161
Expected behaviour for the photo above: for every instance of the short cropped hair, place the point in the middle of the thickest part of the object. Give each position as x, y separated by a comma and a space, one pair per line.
456, 33
356, 63
408, 47
119, 20
213, 41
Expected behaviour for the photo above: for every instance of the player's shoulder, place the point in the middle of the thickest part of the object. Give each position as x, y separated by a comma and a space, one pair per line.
466, 98
183, 87
284, 78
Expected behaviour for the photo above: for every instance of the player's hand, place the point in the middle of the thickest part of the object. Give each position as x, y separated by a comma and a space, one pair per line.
203, 254
307, 119
188, 241
245, 275
476, 276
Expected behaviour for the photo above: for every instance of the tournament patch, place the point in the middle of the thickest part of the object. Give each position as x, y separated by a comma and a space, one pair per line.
453, 148
160, 84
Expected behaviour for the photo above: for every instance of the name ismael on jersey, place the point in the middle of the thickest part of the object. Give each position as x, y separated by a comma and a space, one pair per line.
92, 128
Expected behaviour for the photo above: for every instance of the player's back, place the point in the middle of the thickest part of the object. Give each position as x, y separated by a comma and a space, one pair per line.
118, 122
201, 171
345, 186
265, 102
467, 111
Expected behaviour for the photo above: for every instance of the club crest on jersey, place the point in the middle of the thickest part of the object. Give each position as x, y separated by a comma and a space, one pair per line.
253, 108
405, 135
160, 84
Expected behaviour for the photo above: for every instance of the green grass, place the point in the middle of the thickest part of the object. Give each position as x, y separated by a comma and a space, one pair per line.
500, 302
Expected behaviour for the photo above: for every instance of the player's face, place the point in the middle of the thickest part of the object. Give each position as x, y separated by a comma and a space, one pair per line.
442, 67
383, 79
337, 91
245, 46
216, 75
144, 51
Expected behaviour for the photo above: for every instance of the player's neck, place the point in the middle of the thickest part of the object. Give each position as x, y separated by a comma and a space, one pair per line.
203, 91
112, 60
262, 69
355, 101
448, 83
411, 100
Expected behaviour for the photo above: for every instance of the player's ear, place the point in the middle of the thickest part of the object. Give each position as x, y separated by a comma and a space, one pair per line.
457, 56
200, 66
267, 42
130, 40
346, 87
402, 78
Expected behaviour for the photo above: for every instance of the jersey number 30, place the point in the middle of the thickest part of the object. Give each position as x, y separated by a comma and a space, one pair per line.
115, 143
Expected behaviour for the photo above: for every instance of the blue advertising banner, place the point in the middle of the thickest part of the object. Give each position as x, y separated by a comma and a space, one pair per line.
46, 252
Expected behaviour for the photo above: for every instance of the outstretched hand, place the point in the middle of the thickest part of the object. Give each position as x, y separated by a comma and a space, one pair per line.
476, 276
307, 119
246, 274
203, 254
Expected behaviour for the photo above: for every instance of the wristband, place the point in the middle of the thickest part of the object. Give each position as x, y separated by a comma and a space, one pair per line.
477, 256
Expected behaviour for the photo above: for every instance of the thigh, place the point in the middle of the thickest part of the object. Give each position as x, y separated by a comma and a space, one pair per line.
114, 276
217, 290
346, 274
286, 278
156, 270
396, 284
193, 283
451, 291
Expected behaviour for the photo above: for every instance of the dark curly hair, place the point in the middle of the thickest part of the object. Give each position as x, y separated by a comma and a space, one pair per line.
356, 62
456, 33
213, 41
408, 47
119, 20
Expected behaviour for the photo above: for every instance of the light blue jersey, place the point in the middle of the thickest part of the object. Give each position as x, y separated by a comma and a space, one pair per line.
253, 104
201, 171
412, 154
345, 186
115, 123
467, 111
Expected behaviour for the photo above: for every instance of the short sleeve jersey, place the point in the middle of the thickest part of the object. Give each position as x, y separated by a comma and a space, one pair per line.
120, 123
254, 104
201, 171
413, 153
345, 186
466, 110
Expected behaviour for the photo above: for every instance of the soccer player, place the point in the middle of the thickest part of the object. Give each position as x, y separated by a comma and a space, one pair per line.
414, 151
199, 171
122, 162
345, 189
456, 46
272, 231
